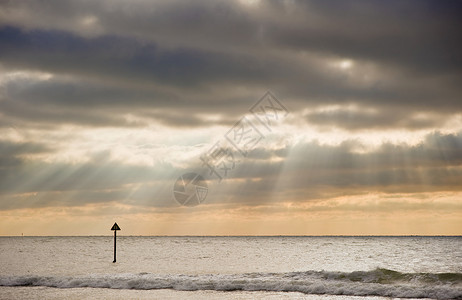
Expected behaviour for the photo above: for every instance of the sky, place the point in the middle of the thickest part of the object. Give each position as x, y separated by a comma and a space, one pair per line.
351, 110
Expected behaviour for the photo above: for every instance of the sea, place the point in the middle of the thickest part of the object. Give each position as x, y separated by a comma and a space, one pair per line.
227, 267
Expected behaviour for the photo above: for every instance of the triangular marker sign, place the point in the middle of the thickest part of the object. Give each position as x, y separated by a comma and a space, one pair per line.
115, 227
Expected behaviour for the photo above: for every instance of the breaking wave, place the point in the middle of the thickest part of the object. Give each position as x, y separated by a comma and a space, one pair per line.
378, 282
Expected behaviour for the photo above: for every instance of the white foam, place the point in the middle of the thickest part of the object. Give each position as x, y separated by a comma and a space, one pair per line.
379, 282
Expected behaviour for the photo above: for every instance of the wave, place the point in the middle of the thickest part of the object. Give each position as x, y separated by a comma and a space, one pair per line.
378, 282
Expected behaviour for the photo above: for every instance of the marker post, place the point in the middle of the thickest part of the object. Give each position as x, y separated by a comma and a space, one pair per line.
115, 227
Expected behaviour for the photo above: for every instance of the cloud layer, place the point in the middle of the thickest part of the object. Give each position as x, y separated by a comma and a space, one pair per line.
108, 102
170, 54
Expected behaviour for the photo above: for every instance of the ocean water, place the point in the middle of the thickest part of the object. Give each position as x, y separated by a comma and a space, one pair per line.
231, 267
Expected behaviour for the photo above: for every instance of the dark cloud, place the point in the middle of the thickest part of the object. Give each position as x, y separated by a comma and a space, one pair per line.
191, 58
8, 148
419, 36
352, 65
12, 155
302, 172
125, 58
27, 183
376, 119
312, 170
29, 177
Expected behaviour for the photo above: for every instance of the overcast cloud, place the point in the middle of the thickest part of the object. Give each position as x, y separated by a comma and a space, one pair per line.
110, 101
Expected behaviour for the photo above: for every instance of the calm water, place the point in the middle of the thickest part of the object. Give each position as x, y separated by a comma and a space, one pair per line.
231, 267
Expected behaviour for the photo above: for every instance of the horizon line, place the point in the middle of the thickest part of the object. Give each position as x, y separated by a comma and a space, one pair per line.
276, 235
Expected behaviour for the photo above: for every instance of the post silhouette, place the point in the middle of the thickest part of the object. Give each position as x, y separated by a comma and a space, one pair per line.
115, 227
